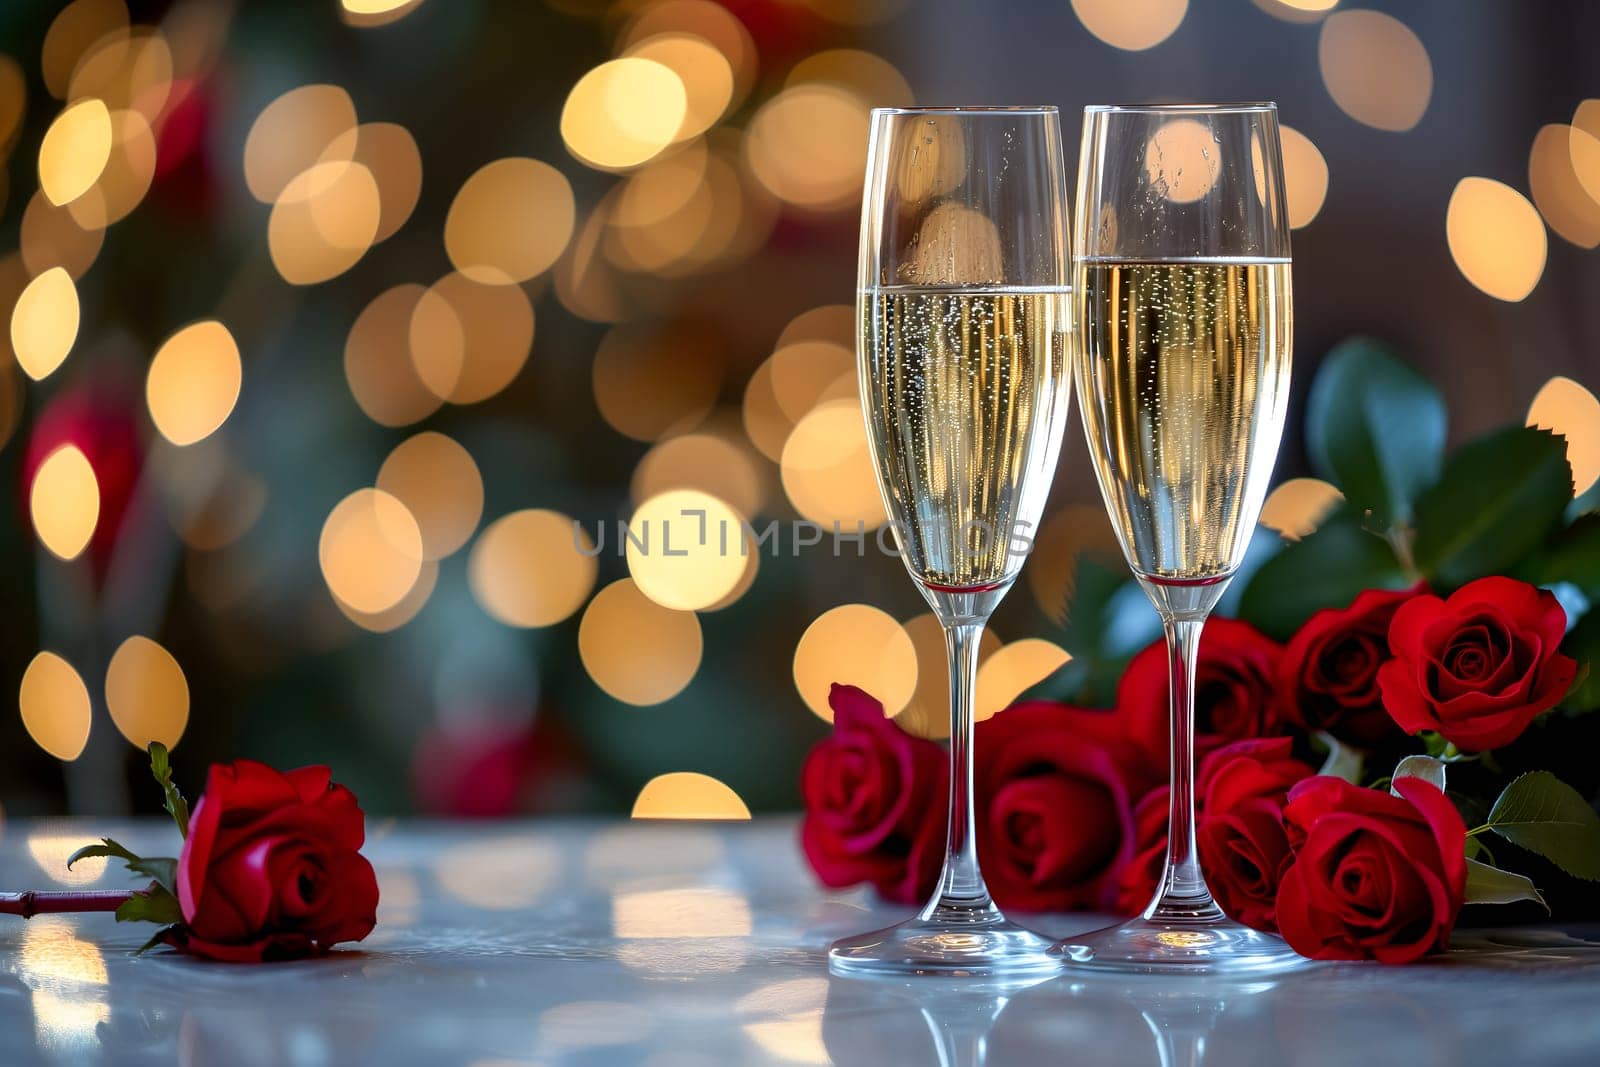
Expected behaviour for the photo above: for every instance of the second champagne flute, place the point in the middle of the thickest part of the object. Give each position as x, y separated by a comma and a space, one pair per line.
963, 315
1182, 363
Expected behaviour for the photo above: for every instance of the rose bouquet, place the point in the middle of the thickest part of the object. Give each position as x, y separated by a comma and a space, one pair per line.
1392, 710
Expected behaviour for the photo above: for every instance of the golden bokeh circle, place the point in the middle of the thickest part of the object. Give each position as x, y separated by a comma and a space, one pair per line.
1131, 25
370, 551
378, 364
532, 568
193, 382
859, 645
705, 72
636, 650
390, 154
324, 222
928, 713
54, 237
75, 151
147, 693
1375, 68
1012, 670
1496, 238
827, 469
468, 340
44, 323
688, 795
509, 221
72, 33
1060, 543
1557, 162
807, 145
686, 549
438, 482
705, 461
55, 706
623, 113
1565, 407
64, 502
292, 134
1297, 507
1305, 177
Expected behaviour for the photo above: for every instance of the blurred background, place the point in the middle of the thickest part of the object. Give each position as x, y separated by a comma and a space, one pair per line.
330, 320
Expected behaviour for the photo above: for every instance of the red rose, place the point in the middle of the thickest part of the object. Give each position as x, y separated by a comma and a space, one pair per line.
1479, 666
1235, 691
875, 802
1054, 807
1375, 876
1239, 798
271, 868
1328, 676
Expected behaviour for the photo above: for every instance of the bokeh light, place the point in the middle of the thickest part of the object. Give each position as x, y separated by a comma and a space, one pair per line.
623, 113
859, 645
1567, 408
653, 381
55, 706
378, 364
686, 549
532, 568
391, 619
370, 551
636, 650
928, 713
688, 795
1375, 68
438, 482
75, 151
468, 340
827, 469
377, 12
72, 33
1558, 163
390, 154
194, 382
127, 68
324, 222
706, 20
708, 462
1297, 507
147, 693
808, 144
1182, 161
1060, 542
706, 75
1132, 25
1013, 669
65, 502
44, 323
872, 78
509, 221
1496, 238
129, 169
1305, 177
54, 237
292, 134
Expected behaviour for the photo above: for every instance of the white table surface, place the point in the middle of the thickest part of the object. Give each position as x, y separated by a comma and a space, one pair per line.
700, 945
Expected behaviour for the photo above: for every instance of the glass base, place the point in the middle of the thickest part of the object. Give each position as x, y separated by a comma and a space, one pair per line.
993, 948
1215, 945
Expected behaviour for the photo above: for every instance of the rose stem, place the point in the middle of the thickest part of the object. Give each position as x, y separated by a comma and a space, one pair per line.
37, 902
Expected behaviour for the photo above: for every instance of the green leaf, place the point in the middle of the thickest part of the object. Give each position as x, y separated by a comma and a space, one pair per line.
1491, 885
1325, 570
1425, 767
1572, 556
106, 847
161, 768
1375, 428
1498, 499
1342, 761
163, 869
1543, 814
153, 905
157, 938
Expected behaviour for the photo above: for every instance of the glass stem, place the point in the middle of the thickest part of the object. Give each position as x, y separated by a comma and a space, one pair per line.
962, 896
1183, 893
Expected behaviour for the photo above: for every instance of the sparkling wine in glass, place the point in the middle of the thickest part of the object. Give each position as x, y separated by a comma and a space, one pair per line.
964, 307
1183, 296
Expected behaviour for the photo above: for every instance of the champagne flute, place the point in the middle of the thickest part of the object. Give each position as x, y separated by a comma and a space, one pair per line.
1182, 292
963, 310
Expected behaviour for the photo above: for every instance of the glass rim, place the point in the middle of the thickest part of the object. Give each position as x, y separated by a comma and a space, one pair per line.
1156, 109
969, 109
